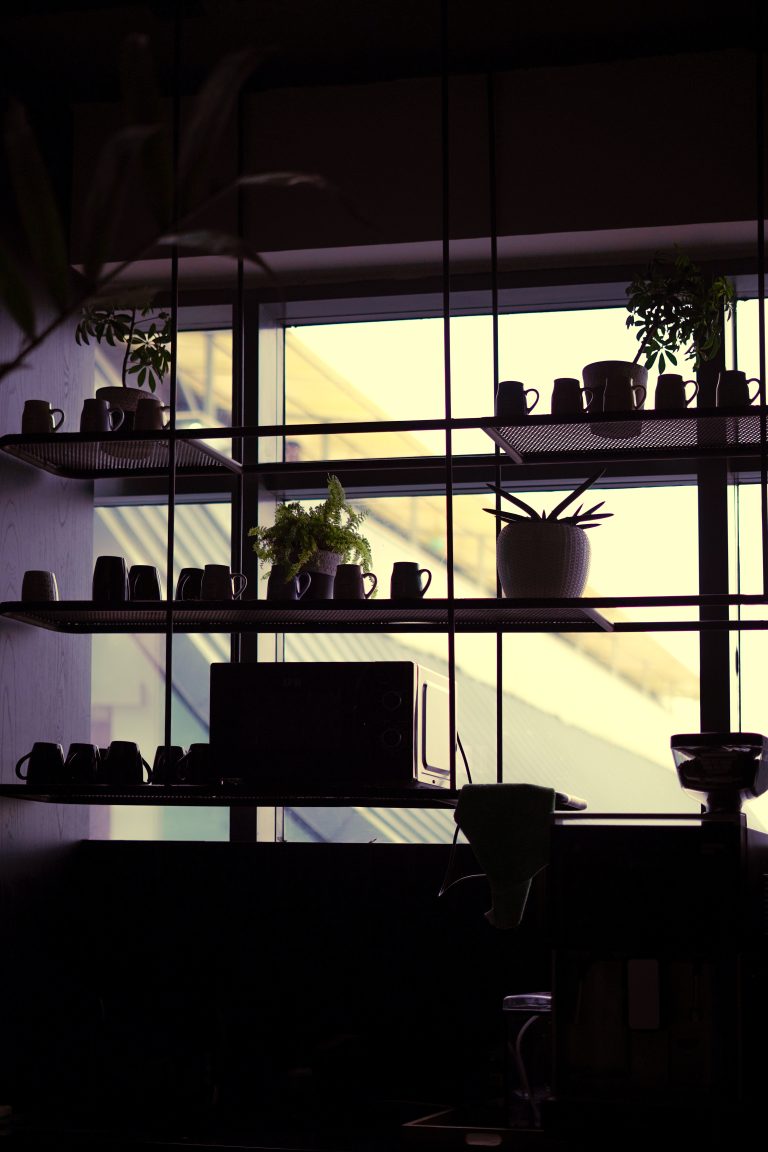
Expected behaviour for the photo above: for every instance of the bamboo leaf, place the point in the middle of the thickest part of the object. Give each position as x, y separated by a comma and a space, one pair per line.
514, 499
36, 203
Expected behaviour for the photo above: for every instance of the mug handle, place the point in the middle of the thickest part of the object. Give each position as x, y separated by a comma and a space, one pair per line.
120, 417
149, 770
57, 426
237, 592
754, 380
695, 392
641, 388
422, 572
303, 581
529, 408
592, 395
372, 589
18, 766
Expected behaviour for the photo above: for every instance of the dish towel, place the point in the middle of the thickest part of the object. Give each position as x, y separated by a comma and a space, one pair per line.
508, 827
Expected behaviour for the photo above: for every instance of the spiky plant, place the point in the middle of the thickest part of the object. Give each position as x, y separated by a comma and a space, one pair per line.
579, 519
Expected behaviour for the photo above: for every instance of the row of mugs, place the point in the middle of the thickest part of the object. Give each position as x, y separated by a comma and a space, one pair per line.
570, 397
98, 415
408, 582
120, 765
114, 582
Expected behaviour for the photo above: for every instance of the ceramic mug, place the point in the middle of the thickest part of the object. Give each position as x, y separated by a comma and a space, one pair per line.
512, 400
622, 396
189, 585
82, 764
148, 416
568, 397
219, 583
110, 580
165, 767
670, 391
321, 586
278, 588
100, 416
38, 416
124, 766
144, 582
733, 389
46, 764
197, 766
406, 580
349, 583
39, 585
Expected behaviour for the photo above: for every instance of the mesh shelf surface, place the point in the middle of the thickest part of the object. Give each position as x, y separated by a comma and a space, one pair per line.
321, 616
632, 434
81, 457
418, 796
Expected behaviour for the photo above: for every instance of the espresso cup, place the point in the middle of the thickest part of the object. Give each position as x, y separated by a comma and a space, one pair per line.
39, 585
278, 588
38, 416
733, 389
406, 580
124, 766
189, 585
670, 391
98, 415
165, 767
144, 582
219, 583
349, 583
148, 416
82, 764
512, 400
568, 397
46, 764
110, 580
622, 396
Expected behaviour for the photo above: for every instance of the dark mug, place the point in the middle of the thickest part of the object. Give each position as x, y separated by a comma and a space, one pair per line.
670, 391
321, 586
165, 768
733, 389
197, 767
406, 580
189, 586
221, 584
349, 583
512, 400
82, 764
46, 764
568, 397
39, 584
278, 588
110, 580
144, 582
123, 766
98, 415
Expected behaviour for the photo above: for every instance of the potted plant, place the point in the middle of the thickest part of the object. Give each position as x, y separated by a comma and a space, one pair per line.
142, 330
540, 555
315, 539
673, 304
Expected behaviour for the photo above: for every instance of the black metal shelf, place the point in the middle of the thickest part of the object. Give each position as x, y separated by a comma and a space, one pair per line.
94, 456
631, 435
234, 796
84, 616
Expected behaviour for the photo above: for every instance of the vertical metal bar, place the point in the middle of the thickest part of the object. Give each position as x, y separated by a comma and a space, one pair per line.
760, 219
236, 515
490, 93
446, 275
168, 715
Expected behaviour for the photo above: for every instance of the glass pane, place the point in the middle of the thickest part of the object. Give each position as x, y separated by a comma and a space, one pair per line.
128, 693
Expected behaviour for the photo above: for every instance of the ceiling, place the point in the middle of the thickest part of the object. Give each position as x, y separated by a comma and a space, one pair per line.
72, 49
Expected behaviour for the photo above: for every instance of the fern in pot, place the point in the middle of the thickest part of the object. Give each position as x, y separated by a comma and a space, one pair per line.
545, 555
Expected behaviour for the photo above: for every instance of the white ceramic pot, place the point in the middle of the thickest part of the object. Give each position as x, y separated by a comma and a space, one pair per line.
542, 558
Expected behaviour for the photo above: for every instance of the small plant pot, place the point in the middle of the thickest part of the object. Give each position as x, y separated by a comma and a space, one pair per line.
542, 558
